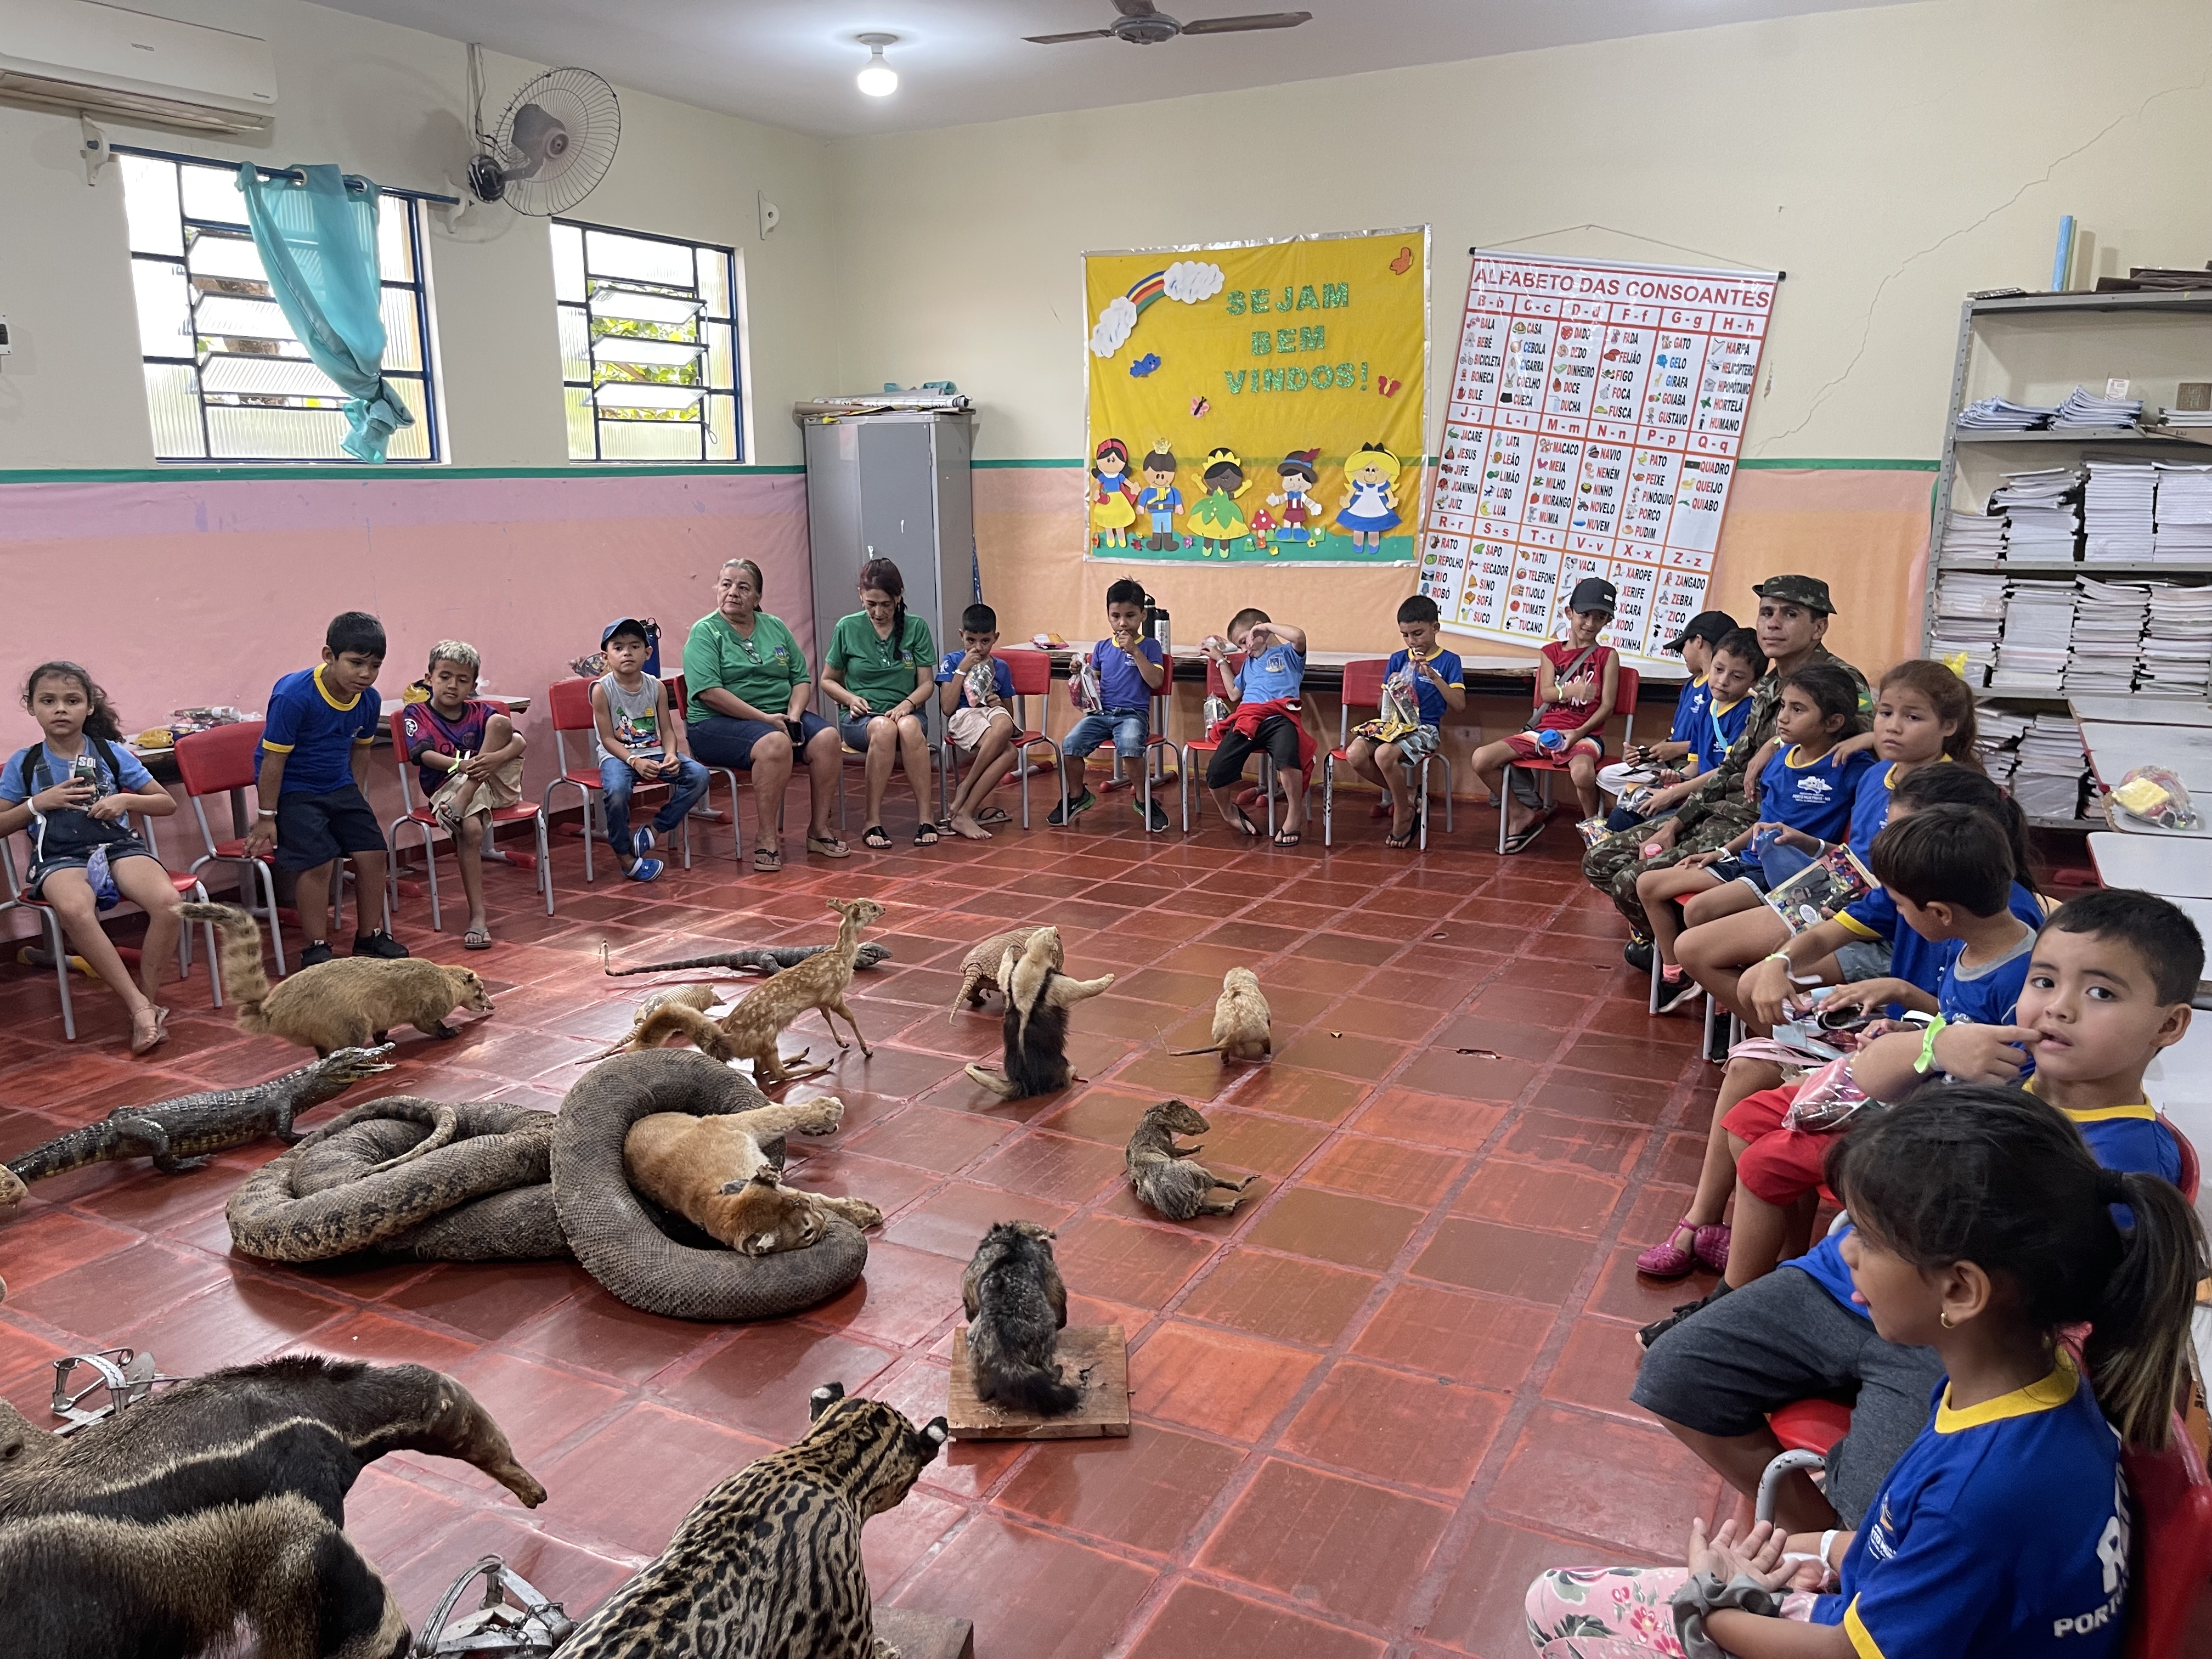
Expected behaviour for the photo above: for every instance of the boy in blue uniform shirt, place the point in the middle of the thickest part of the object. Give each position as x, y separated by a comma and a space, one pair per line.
1267, 717
974, 689
310, 772
1131, 670
2108, 987
1419, 683
1694, 645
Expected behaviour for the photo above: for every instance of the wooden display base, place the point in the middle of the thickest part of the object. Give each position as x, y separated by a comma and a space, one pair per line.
920, 1635
1100, 1351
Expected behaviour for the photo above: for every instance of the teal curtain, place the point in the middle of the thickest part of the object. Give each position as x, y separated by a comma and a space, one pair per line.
317, 236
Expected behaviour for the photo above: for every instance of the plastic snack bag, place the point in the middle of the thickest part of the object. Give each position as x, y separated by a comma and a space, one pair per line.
1826, 1100
983, 685
1827, 884
2152, 794
1593, 830
1083, 684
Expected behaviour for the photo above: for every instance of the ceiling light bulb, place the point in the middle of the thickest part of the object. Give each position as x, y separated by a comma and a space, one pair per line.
877, 79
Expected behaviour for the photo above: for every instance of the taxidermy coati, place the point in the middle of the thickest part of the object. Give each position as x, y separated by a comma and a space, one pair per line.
1169, 1177
349, 1002
1017, 1306
1035, 1026
1241, 1028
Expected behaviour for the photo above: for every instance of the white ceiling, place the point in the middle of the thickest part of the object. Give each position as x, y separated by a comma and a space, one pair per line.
791, 63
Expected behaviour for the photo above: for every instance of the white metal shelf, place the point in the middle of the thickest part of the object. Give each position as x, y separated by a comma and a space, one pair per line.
2029, 568
2125, 436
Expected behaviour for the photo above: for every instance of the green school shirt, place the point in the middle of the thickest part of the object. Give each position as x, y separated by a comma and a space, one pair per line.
760, 670
880, 670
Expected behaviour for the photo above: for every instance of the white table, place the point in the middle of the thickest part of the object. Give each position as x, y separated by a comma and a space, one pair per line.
2142, 711
2178, 867
2115, 750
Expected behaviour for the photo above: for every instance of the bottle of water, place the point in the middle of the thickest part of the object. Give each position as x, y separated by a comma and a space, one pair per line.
1552, 743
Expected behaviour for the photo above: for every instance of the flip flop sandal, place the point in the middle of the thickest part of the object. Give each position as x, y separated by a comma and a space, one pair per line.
925, 835
767, 860
1521, 841
875, 839
477, 938
992, 815
1245, 827
1287, 837
831, 847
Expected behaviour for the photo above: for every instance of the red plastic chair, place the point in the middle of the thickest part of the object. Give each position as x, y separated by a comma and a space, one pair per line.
216, 761
57, 937
1363, 689
2190, 1169
425, 821
570, 703
1030, 672
2172, 1554
1202, 744
1624, 703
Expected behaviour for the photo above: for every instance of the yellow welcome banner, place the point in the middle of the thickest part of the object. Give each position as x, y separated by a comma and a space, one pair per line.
1263, 402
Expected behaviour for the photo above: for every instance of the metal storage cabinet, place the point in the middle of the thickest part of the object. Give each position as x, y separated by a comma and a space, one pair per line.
892, 484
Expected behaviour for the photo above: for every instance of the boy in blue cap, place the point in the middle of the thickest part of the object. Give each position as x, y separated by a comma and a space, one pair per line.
638, 740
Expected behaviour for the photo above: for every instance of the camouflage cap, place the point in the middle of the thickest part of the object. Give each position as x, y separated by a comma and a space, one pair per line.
1808, 590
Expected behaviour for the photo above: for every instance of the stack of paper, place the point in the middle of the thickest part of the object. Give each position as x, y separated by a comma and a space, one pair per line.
2002, 415
1969, 616
2176, 658
2183, 514
1999, 743
2038, 626
2187, 419
2083, 411
2108, 626
1973, 538
2116, 510
2043, 514
2049, 780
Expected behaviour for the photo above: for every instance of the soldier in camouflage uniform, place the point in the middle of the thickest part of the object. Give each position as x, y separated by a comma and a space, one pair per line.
1793, 617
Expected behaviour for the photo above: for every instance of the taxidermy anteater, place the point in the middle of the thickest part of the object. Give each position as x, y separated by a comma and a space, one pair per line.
1035, 1027
348, 1002
93, 1588
1169, 1177
303, 1425
1016, 1306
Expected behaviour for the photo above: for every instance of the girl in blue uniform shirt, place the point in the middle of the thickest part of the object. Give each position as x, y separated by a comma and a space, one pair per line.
1985, 1228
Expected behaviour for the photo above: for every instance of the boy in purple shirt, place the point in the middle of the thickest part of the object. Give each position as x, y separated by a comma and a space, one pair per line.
1131, 670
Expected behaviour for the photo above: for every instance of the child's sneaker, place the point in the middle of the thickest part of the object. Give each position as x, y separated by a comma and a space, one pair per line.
1677, 990
645, 869
1158, 821
317, 954
378, 944
642, 841
1082, 804
1659, 1327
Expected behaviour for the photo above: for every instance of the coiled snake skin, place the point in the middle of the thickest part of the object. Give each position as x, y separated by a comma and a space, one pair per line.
516, 1184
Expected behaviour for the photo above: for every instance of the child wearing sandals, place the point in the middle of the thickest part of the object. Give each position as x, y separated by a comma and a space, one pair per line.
468, 757
1804, 802
1576, 680
72, 790
1419, 683
1267, 718
1985, 1229
1825, 952
973, 687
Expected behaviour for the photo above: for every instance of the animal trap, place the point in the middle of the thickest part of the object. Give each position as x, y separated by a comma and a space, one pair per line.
514, 1617
126, 1375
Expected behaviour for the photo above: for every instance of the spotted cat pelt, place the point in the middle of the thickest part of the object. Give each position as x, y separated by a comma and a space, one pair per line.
769, 1566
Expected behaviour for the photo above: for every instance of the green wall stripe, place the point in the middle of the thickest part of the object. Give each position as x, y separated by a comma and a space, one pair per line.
312, 472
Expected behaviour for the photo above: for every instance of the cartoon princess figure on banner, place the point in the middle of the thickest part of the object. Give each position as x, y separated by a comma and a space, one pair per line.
1160, 499
1113, 498
1370, 506
1298, 478
1217, 518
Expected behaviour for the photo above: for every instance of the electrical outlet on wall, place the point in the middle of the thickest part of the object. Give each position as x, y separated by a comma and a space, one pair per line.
7, 343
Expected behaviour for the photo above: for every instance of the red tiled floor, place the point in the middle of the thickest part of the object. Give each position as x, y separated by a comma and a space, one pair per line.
1368, 1406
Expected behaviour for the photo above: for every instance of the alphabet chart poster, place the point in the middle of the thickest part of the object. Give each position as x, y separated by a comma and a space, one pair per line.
1596, 413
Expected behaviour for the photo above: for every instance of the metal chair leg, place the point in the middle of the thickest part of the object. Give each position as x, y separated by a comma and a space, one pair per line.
58, 946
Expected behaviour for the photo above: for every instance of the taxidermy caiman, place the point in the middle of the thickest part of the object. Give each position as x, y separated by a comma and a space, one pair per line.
768, 960
181, 1133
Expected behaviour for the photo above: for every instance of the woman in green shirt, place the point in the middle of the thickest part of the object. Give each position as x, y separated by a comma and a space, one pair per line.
880, 670
747, 686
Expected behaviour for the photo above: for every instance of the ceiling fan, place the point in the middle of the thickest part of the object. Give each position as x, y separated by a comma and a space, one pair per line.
1142, 24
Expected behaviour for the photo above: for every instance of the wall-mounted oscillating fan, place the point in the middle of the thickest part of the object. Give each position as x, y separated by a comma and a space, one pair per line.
551, 148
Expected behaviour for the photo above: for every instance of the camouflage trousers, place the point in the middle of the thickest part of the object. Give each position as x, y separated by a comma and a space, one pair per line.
1614, 863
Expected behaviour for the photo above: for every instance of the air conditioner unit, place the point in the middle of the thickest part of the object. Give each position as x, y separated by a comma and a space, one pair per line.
94, 59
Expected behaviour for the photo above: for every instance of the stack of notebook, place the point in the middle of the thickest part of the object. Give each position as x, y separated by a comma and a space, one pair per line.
2043, 514
2182, 515
1969, 616
2108, 635
2176, 655
2085, 411
2116, 513
2185, 420
2038, 626
2002, 415
1973, 538
2052, 771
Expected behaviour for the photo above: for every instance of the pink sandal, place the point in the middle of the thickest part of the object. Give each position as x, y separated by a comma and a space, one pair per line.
1671, 1259
1710, 1247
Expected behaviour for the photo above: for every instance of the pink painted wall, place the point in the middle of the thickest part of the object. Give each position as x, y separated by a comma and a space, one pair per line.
184, 591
